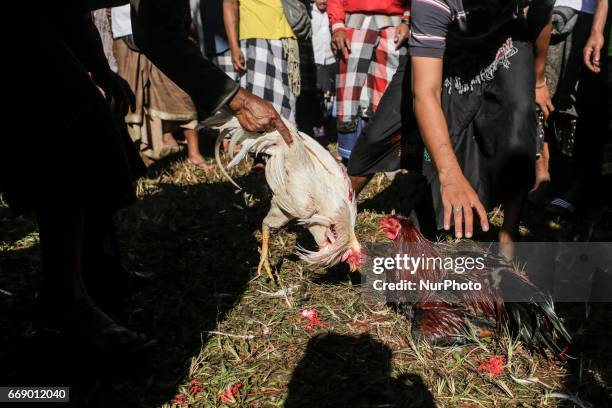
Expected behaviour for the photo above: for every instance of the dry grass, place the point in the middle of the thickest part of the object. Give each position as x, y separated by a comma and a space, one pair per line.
219, 325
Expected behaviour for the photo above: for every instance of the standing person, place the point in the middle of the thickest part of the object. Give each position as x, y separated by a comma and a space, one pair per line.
325, 63
211, 31
368, 36
74, 183
162, 108
480, 132
160, 33
264, 51
580, 117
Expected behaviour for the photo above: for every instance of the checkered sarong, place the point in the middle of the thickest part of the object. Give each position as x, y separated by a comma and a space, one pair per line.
224, 61
363, 79
267, 74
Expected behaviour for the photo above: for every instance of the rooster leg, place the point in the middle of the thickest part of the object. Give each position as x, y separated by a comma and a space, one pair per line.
274, 220
263, 259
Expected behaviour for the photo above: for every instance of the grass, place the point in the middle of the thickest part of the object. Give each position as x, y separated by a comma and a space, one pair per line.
220, 326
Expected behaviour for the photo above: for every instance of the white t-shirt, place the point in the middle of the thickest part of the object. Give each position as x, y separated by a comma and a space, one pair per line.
321, 37
121, 22
586, 6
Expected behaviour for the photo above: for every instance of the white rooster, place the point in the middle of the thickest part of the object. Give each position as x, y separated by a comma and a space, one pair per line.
307, 184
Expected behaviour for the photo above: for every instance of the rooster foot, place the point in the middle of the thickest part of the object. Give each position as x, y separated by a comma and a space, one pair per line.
264, 263
263, 260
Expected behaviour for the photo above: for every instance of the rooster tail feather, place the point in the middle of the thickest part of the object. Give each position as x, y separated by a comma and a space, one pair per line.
220, 163
255, 143
537, 323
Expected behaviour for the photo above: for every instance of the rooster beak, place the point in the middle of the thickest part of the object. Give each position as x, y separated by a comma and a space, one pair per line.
352, 267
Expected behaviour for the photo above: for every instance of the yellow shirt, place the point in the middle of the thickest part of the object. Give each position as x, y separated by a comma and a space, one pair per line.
263, 19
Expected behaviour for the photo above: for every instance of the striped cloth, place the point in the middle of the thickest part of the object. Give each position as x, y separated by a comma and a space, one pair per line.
224, 61
429, 22
363, 78
267, 74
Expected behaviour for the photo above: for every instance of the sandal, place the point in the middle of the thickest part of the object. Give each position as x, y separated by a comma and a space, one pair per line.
560, 206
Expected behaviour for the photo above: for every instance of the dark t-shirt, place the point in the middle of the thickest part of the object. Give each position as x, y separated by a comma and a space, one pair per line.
466, 22
429, 23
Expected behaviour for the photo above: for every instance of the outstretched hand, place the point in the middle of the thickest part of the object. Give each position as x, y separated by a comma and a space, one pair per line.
461, 201
257, 115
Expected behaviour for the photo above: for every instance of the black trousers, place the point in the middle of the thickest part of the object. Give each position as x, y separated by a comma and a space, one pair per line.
383, 145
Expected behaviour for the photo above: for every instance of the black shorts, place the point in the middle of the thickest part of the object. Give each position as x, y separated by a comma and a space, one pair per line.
390, 139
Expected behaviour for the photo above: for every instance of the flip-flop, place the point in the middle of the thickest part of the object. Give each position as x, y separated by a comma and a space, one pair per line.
560, 206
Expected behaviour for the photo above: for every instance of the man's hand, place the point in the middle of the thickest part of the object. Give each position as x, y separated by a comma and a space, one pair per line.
401, 35
543, 101
592, 51
238, 60
257, 115
340, 42
116, 90
460, 200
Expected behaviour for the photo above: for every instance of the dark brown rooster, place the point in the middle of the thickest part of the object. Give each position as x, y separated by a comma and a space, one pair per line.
450, 317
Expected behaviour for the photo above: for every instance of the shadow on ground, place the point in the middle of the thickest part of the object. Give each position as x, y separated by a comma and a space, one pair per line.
191, 241
347, 371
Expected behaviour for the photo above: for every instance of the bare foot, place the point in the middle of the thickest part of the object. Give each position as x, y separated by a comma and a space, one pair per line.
199, 161
506, 244
170, 146
170, 142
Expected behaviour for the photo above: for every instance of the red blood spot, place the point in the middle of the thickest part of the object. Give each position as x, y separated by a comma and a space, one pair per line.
230, 393
494, 366
312, 315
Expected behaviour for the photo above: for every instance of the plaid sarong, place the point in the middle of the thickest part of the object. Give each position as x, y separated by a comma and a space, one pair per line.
363, 79
267, 74
224, 61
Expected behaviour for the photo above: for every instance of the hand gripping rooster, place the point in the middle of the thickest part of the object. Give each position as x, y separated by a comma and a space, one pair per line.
307, 184
452, 317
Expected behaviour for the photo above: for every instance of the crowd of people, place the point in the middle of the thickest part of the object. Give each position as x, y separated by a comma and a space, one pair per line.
476, 96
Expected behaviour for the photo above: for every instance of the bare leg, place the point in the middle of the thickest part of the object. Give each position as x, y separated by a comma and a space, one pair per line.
170, 141
193, 150
542, 169
263, 259
509, 232
359, 182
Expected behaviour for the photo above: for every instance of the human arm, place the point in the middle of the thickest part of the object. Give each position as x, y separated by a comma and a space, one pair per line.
458, 197
231, 21
592, 49
539, 22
